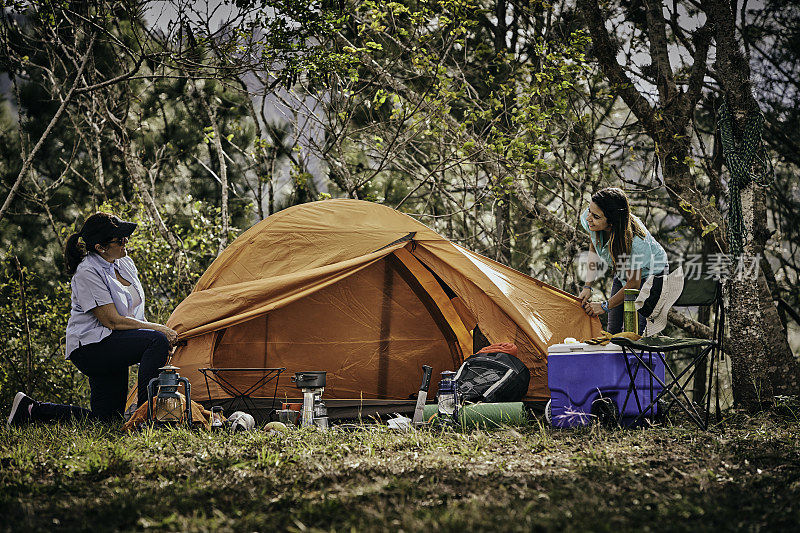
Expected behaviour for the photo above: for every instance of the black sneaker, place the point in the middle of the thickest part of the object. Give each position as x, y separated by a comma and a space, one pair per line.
19, 410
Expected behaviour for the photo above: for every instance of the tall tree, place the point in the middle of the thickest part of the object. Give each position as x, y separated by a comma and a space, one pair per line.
770, 37
764, 365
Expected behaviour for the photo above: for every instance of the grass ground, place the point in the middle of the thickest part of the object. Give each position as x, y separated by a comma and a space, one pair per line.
743, 474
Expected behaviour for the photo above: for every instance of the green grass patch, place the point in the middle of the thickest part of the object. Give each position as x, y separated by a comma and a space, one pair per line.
743, 474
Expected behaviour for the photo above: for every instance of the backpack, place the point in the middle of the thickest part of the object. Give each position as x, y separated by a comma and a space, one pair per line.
492, 378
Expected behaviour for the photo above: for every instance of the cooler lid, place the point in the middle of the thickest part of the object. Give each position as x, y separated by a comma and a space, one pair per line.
582, 347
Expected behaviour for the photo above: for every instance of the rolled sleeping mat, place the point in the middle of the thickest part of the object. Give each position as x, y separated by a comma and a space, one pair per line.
486, 415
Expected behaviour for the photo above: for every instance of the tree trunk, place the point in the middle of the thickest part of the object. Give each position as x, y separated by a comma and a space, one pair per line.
270, 187
211, 114
502, 220
97, 162
763, 364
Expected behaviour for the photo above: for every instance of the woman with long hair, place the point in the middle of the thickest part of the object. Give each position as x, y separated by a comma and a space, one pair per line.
107, 331
618, 239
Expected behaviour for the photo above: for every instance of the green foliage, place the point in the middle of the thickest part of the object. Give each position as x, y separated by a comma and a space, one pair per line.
38, 315
80, 165
456, 110
293, 39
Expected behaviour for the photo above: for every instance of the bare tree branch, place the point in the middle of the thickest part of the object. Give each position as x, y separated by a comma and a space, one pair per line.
26, 165
606, 53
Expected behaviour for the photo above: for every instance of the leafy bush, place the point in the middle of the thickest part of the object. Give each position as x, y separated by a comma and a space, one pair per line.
32, 351
33, 317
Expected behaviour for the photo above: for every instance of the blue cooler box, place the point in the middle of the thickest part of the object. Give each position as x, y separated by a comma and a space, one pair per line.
579, 374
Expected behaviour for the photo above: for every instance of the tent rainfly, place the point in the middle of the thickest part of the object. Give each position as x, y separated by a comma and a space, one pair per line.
368, 294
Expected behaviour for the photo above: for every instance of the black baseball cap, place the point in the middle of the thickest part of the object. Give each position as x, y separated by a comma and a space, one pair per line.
102, 227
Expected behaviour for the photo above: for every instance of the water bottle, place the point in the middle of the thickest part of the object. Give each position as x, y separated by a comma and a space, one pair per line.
447, 405
630, 314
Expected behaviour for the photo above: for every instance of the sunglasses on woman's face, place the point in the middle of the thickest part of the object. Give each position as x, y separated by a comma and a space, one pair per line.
121, 241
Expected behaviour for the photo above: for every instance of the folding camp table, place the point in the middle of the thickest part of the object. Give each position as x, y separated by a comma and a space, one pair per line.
235, 383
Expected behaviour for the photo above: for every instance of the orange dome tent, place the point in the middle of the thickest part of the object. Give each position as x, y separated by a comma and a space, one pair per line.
368, 294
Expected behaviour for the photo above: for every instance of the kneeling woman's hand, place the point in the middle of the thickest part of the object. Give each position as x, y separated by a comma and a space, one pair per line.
172, 335
593, 308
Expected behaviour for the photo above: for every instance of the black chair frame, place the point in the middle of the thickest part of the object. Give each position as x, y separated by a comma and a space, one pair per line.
645, 349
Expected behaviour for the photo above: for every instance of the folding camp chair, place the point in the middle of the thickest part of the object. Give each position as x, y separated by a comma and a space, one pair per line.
702, 292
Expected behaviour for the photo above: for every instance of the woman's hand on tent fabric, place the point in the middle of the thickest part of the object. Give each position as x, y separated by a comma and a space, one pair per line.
584, 296
593, 308
171, 334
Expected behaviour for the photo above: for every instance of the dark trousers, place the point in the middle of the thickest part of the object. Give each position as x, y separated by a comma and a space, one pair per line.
615, 314
106, 364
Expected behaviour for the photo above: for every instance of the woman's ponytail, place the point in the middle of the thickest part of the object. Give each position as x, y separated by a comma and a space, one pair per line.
74, 252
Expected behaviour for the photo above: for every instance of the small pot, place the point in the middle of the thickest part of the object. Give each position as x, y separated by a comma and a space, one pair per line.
309, 379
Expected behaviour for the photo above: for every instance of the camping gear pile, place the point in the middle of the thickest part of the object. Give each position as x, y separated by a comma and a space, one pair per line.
486, 391
493, 375
590, 380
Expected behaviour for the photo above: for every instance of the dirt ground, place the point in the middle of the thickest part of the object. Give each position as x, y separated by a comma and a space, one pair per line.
742, 474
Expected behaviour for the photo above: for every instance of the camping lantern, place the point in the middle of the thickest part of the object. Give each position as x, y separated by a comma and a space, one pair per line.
164, 389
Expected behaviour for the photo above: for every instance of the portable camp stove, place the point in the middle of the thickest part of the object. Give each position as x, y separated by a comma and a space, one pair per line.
312, 384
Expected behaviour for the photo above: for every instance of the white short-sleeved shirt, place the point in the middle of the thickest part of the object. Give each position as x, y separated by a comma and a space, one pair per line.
646, 253
95, 284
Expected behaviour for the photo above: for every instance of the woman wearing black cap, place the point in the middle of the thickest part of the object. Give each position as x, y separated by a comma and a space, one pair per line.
107, 331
